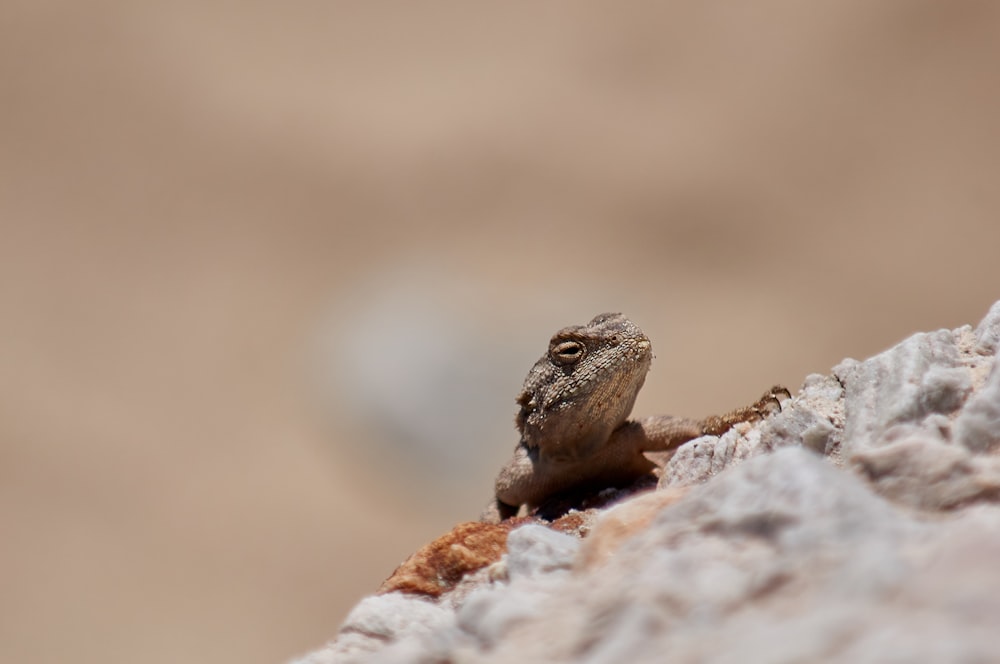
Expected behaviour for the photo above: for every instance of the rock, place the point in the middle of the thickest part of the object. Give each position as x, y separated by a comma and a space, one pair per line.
813, 419
732, 541
442, 564
533, 550
783, 558
861, 523
988, 332
698, 460
380, 620
977, 427
925, 472
919, 376
623, 521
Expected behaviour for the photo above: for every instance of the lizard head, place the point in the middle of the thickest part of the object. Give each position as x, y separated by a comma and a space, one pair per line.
583, 388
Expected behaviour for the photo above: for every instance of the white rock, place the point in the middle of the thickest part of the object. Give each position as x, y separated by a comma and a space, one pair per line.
860, 524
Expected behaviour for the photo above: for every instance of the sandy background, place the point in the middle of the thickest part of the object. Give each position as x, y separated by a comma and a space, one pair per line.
271, 273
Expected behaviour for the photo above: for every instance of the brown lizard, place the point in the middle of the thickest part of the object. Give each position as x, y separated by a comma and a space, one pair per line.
574, 405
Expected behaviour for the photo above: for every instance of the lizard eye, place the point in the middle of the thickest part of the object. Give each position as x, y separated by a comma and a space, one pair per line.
567, 352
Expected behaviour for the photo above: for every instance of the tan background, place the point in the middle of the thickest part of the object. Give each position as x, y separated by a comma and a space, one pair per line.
271, 274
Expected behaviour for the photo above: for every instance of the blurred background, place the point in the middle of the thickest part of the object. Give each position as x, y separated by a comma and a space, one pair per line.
271, 274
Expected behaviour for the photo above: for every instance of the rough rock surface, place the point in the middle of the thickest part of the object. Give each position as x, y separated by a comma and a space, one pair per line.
859, 524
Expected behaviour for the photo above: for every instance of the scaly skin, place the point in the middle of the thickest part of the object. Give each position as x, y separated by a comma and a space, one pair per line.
575, 435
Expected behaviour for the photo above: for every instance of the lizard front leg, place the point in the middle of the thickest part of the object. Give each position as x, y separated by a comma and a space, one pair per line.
716, 425
663, 433
513, 487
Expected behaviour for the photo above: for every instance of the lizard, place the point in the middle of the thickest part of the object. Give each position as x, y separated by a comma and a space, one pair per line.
573, 418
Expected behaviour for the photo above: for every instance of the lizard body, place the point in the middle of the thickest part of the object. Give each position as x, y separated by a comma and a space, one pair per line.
573, 418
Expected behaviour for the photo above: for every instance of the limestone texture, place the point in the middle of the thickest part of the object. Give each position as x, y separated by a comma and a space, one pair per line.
860, 524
